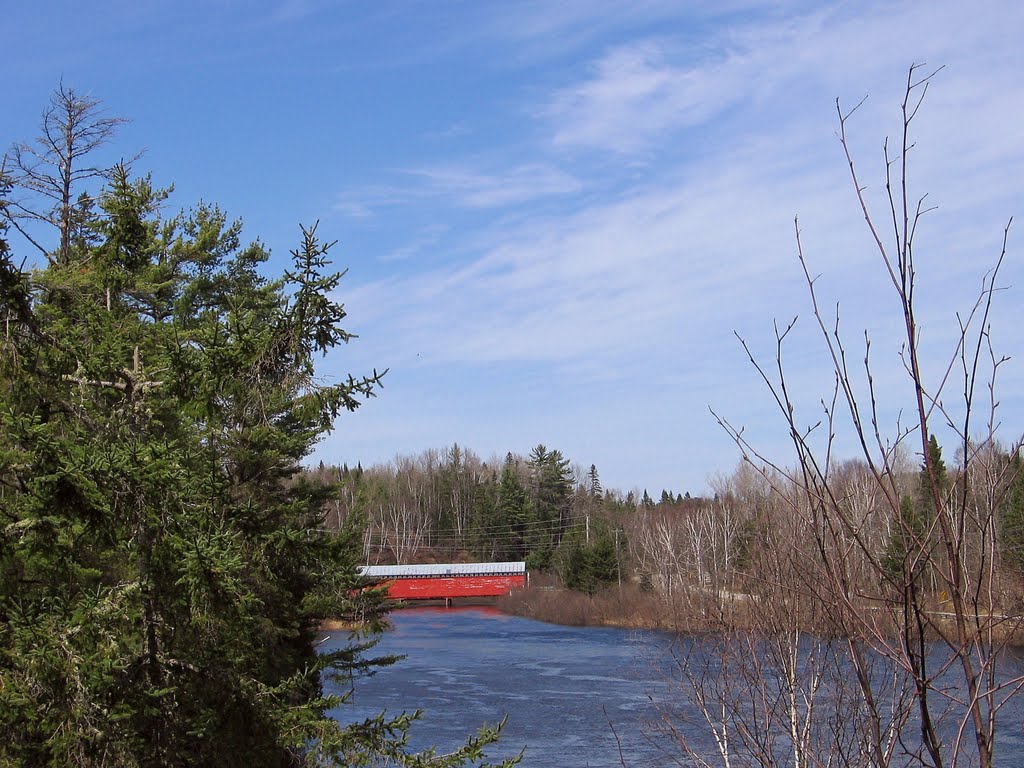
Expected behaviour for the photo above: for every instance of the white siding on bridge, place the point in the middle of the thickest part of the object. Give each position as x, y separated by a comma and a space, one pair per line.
442, 570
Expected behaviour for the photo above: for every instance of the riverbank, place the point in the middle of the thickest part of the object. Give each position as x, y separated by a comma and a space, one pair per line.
691, 611
630, 607
627, 607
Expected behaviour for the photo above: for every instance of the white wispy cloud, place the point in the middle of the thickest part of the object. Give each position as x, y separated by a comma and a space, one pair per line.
473, 188
425, 239
462, 185
527, 31
642, 92
634, 97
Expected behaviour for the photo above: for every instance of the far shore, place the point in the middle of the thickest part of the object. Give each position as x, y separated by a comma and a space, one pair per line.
629, 607
696, 612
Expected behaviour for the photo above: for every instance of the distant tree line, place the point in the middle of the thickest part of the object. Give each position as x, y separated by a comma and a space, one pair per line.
450, 504
541, 508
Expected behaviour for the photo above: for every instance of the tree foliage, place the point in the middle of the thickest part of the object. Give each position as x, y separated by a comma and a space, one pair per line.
588, 567
165, 568
1013, 516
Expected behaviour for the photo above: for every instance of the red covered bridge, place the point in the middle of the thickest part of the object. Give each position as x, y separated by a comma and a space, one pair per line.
448, 580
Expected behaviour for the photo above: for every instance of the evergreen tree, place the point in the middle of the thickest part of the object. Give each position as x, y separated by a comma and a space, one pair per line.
911, 545
552, 487
487, 519
588, 567
933, 479
572, 564
902, 555
514, 509
1013, 516
595, 482
165, 570
604, 560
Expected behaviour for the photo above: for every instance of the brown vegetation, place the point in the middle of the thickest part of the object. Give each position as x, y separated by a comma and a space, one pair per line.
895, 570
546, 600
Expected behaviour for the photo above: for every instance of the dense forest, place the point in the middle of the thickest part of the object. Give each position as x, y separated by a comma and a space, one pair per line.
449, 505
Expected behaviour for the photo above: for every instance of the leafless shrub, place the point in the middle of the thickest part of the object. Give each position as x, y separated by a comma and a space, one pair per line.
881, 604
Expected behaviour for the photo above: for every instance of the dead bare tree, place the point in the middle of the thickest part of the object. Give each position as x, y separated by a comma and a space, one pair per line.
396, 502
47, 174
911, 643
769, 683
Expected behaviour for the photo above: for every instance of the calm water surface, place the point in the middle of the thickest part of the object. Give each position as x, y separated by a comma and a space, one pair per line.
574, 696
565, 689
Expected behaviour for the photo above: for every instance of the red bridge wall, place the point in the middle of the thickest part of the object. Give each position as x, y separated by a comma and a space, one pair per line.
453, 586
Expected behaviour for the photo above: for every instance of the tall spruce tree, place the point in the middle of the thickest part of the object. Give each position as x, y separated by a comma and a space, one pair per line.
1012, 523
551, 484
912, 541
594, 483
164, 571
515, 510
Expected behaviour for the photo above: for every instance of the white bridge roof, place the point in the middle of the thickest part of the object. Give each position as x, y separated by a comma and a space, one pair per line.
442, 570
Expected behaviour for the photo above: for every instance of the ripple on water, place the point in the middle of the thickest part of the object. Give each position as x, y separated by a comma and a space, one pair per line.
565, 689
558, 685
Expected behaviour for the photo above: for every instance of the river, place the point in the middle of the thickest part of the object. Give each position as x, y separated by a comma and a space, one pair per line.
574, 696
567, 691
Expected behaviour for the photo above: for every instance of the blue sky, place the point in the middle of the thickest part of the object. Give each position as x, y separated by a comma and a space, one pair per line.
556, 215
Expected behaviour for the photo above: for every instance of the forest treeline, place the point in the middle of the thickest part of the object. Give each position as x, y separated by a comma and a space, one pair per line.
452, 505
449, 504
